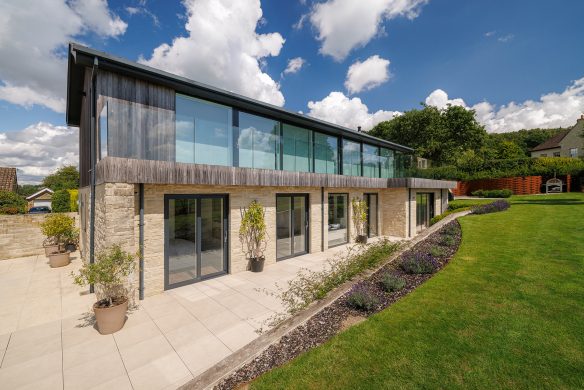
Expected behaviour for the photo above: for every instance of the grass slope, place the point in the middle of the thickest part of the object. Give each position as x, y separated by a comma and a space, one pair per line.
508, 312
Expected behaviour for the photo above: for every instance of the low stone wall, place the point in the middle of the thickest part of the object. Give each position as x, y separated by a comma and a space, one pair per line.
20, 235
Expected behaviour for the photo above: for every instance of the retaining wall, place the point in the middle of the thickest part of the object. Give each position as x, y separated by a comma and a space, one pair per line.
20, 235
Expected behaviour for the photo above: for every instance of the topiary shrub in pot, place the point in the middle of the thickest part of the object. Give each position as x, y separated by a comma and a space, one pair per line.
109, 274
57, 228
359, 213
253, 235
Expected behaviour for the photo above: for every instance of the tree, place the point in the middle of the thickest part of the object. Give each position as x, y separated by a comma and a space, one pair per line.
11, 203
65, 178
440, 135
61, 202
29, 189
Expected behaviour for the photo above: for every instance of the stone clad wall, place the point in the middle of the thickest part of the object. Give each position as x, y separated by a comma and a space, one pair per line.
20, 235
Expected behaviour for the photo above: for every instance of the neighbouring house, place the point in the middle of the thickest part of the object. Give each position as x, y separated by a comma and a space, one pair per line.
567, 143
40, 198
8, 179
167, 164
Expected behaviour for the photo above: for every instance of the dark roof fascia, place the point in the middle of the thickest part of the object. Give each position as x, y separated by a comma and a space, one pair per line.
81, 56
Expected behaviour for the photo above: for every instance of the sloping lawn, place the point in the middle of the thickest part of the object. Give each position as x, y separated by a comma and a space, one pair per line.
507, 312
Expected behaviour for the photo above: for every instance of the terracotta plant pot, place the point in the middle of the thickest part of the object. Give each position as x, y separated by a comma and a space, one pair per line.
257, 265
110, 319
361, 239
51, 249
59, 259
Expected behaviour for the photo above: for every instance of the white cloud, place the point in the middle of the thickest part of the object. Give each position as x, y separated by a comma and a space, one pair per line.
366, 75
223, 49
33, 36
439, 98
349, 112
343, 25
38, 150
142, 10
551, 110
506, 38
294, 65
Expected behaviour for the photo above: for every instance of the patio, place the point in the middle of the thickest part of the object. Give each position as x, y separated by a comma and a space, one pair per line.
47, 339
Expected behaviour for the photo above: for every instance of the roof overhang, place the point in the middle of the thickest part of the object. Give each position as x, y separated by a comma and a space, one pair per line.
81, 58
124, 170
39, 193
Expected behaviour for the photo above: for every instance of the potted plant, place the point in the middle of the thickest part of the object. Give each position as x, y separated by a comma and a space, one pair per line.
109, 273
71, 240
359, 211
252, 234
56, 228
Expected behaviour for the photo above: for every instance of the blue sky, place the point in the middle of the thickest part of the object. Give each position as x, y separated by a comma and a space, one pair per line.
481, 54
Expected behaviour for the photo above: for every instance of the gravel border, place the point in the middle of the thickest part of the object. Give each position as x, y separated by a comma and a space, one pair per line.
328, 322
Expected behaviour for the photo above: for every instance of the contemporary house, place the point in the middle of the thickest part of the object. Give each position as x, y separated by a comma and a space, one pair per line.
8, 179
167, 164
43, 197
567, 143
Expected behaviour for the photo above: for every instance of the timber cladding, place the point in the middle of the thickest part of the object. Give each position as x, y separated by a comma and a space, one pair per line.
124, 170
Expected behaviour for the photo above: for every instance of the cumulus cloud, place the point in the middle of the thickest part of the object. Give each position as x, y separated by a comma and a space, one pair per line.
551, 110
38, 150
33, 35
366, 75
439, 98
343, 25
222, 48
349, 112
294, 65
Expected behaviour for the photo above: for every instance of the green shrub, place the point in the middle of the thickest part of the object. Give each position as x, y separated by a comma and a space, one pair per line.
466, 203
61, 202
73, 197
109, 272
252, 231
419, 263
11, 203
58, 228
448, 241
493, 193
361, 298
392, 283
438, 251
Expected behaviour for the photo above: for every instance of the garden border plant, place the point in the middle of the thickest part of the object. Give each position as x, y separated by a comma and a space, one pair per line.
253, 235
365, 298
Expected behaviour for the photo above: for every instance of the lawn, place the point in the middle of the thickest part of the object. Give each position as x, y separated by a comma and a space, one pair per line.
507, 312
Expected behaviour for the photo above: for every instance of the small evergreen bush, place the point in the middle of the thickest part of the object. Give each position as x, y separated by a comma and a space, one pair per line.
392, 283
493, 193
437, 251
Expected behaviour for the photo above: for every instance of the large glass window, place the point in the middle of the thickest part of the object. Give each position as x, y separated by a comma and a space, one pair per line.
370, 161
297, 146
103, 132
387, 163
326, 153
351, 158
258, 142
337, 219
204, 132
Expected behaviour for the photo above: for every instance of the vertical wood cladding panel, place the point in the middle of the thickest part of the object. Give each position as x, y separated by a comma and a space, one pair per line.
141, 118
85, 132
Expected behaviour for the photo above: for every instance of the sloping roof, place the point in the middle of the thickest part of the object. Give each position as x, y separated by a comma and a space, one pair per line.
8, 179
39, 193
553, 142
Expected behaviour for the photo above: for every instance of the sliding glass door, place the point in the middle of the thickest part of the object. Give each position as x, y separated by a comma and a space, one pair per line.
424, 210
337, 219
195, 238
291, 225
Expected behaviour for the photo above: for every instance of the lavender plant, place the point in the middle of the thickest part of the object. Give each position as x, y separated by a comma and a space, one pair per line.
493, 207
362, 298
419, 263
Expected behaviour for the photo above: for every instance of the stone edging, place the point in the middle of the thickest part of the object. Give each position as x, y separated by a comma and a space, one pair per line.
213, 375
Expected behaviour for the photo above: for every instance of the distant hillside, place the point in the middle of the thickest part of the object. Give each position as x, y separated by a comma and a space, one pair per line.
525, 139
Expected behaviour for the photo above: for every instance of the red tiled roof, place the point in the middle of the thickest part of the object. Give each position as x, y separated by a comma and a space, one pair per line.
8, 179
553, 142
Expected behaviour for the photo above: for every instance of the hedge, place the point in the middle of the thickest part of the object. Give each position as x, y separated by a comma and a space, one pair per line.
493, 193
61, 202
493, 169
11, 203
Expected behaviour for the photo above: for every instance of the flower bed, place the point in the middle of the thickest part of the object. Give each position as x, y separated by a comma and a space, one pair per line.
364, 299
